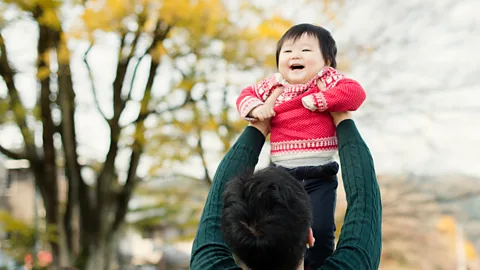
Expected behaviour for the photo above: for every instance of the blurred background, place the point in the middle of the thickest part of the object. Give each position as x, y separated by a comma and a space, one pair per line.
115, 114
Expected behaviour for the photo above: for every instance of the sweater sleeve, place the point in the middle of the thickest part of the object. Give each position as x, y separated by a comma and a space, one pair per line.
209, 252
255, 95
360, 243
341, 94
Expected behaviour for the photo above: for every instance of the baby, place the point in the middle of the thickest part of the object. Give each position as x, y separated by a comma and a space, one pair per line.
303, 136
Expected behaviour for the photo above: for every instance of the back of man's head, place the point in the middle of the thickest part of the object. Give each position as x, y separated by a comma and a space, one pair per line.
266, 219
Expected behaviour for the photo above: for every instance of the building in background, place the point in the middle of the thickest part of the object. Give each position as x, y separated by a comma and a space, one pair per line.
19, 191
19, 198
16, 198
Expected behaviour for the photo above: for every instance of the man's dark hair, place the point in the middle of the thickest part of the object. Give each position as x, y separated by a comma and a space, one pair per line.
266, 219
328, 46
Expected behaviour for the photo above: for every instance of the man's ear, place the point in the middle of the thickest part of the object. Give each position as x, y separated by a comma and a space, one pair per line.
311, 239
240, 263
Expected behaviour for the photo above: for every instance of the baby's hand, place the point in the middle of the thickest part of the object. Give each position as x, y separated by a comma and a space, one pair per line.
321, 85
263, 112
328, 78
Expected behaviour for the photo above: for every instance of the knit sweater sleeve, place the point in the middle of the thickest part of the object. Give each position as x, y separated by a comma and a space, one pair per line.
359, 246
255, 95
209, 251
341, 94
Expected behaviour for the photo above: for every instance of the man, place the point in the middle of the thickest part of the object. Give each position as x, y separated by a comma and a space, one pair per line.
266, 217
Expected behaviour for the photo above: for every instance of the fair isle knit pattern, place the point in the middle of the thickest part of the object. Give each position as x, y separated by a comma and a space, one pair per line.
302, 127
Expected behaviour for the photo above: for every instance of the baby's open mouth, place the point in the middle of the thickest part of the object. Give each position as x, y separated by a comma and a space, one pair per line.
296, 66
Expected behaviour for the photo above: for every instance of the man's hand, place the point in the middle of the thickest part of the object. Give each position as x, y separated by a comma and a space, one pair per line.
263, 112
262, 126
340, 116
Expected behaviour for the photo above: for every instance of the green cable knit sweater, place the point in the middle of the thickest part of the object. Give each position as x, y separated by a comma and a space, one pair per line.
359, 246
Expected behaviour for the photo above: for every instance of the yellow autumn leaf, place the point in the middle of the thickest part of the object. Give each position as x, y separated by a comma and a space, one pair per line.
470, 251
158, 51
49, 18
274, 28
43, 73
447, 224
186, 84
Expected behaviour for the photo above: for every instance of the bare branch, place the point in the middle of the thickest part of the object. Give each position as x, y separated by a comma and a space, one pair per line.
126, 193
76, 184
159, 34
226, 122
144, 115
107, 173
157, 38
141, 23
11, 154
92, 83
122, 65
138, 144
200, 148
137, 150
132, 82
16, 105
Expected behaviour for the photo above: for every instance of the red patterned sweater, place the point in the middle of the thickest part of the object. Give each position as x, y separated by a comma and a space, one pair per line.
302, 127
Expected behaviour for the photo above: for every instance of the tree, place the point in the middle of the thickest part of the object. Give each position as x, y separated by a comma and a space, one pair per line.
179, 35
198, 134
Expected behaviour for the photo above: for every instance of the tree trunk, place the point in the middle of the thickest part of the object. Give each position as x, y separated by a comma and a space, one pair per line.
48, 167
97, 256
102, 254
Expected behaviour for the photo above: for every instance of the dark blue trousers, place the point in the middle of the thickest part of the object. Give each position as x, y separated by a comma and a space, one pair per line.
321, 184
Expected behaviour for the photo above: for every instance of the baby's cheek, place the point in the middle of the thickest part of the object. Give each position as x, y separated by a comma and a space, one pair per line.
314, 67
315, 63
283, 68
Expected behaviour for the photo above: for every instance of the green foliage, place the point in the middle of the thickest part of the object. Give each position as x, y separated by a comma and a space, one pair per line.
21, 240
4, 111
22, 236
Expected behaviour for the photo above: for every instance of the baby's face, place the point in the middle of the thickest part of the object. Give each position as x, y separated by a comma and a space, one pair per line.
300, 61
